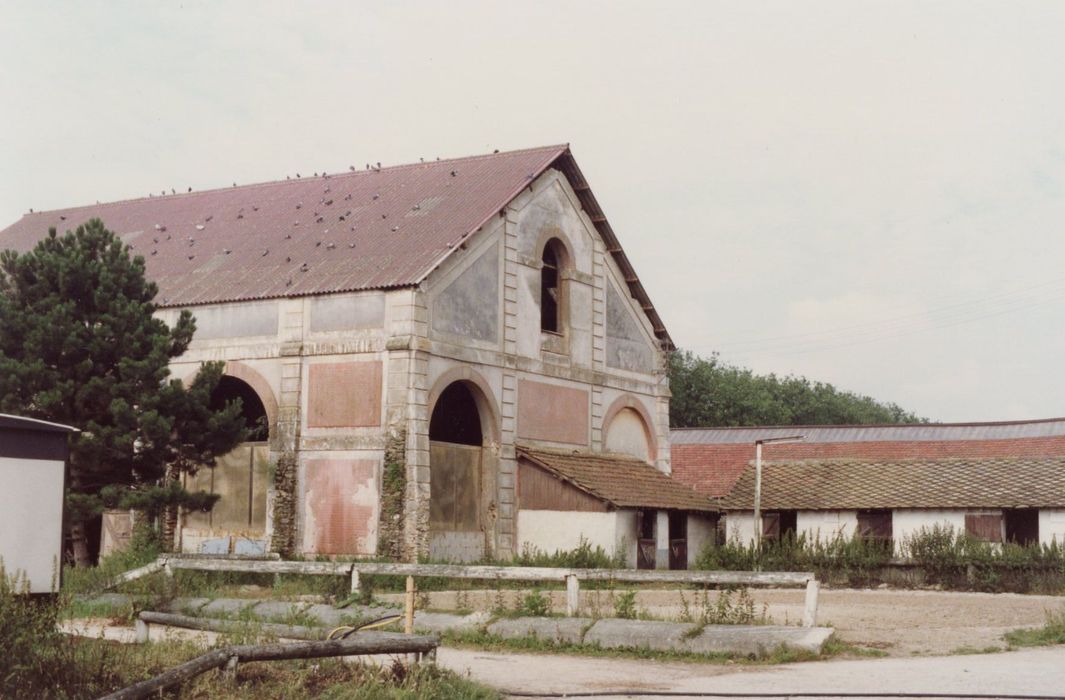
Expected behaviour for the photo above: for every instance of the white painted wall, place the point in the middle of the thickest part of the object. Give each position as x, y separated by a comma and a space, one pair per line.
552, 530
626, 536
1052, 526
739, 526
826, 524
701, 530
31, 519
905, 523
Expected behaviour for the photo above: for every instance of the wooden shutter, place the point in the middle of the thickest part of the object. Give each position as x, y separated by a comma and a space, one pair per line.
874, 524
984, 526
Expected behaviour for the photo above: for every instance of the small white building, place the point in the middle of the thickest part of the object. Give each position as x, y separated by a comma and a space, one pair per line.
613, 501
1005, 499
33, 469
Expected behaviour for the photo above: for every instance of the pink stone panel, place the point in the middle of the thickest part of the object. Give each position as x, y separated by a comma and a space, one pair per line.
340, 503
344, 395
553, 413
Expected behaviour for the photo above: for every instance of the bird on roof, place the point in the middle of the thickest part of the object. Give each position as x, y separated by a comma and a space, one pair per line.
173, 191
496, 151
190, 189
351, 168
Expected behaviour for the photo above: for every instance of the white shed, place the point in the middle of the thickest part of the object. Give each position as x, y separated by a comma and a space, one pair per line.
33, 469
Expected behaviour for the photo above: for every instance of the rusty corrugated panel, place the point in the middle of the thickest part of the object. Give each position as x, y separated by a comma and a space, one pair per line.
358, 230
918, 432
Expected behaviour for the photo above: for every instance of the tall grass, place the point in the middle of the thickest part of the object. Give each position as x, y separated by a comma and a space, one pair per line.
941, 556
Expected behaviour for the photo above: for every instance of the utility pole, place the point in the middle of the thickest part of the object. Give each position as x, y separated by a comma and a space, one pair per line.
758, 479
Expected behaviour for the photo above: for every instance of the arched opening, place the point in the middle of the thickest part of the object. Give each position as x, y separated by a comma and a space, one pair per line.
552, 301
241, 478
459, 483
456, 418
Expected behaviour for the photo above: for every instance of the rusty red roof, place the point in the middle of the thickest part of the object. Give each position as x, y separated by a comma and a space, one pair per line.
620, 480
368, 229
1005, 482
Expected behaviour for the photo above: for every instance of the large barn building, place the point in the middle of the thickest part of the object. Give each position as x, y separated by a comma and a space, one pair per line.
439, 359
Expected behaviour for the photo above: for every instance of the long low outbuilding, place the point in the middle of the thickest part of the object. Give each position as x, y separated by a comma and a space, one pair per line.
1018, 500
997, 481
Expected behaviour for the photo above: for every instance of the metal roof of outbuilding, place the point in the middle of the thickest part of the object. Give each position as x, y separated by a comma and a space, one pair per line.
10, 422
915, 432
373, 228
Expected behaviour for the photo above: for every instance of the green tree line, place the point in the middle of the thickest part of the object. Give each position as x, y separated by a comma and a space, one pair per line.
709, 393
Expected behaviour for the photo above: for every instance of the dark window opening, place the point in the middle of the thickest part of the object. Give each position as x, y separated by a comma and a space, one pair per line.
647, 539
678, 540
550, 295
1022, 526
455, 418
251, 406
984, 526
779, 524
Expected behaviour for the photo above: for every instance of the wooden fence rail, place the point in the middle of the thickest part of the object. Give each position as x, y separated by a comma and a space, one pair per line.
358, 645
571, 577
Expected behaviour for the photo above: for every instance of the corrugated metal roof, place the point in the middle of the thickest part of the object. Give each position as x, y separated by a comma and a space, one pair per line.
368, 229
1037, 482
11, 422
917, 432
621, 480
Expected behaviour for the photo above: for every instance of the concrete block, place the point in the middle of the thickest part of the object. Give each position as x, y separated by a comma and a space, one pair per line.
112, 599
276, 610
440, 622
568, 630
756, 639
613, 633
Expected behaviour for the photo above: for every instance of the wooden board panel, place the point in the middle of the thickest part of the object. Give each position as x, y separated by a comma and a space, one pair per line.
455, 487
539, 490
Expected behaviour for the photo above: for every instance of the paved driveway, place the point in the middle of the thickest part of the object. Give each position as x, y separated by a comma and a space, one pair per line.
1035, 672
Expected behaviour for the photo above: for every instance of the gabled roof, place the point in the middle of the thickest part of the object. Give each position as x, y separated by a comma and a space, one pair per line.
367, 229
1033, 482
619, 480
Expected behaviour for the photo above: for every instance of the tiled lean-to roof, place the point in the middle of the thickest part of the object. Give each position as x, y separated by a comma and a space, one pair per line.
1032, 482
619, 480
374, 228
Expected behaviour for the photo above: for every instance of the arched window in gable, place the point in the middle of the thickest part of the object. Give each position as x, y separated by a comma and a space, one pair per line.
552, 300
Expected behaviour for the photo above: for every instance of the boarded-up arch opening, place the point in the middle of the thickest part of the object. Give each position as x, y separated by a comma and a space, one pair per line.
241, 478
459, 488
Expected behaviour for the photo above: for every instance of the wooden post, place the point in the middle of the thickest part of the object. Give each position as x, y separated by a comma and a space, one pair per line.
809, 613
408, 624
354, 580
573, 595
141, 628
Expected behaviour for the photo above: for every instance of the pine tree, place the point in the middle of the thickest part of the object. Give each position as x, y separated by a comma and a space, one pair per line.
79, 345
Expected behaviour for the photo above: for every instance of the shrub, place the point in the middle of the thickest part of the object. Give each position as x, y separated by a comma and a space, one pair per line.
625, 605
535, 604
583, 556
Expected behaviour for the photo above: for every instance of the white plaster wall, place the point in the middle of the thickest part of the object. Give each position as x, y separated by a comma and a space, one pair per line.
905, 523
552, 530
701, 531
625, 539
739, 526
628, 435
826, 524
1052, 526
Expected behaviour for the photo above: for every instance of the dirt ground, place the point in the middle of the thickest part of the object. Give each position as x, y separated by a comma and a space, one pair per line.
898, 622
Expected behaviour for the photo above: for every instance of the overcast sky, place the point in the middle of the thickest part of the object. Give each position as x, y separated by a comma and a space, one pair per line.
866, 193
